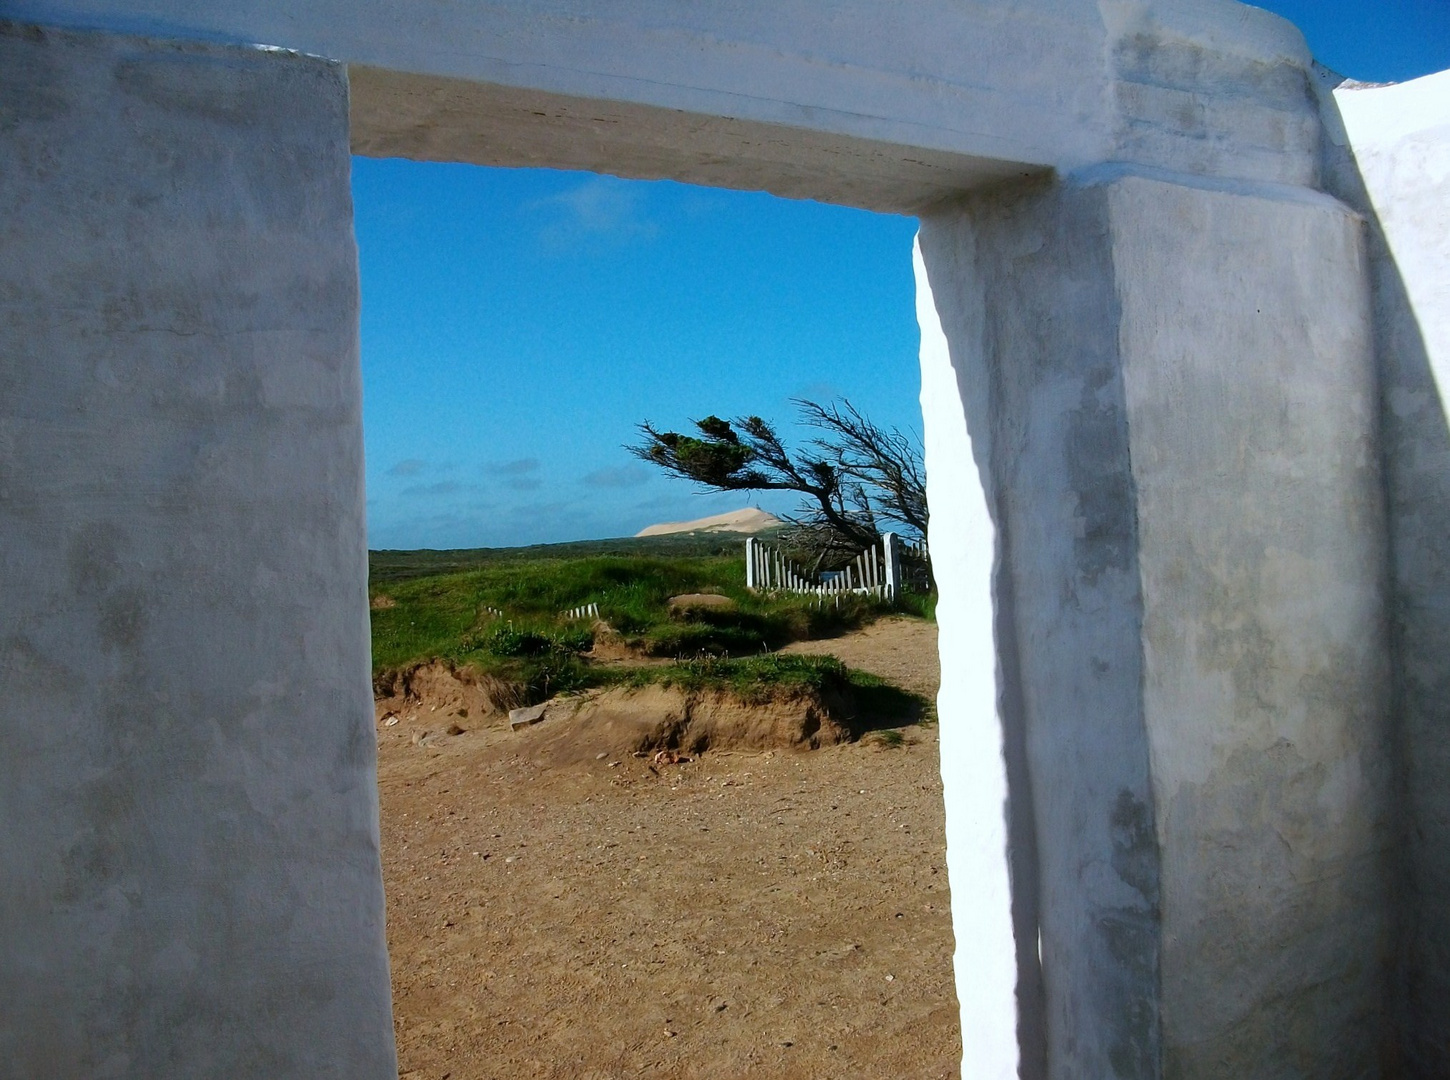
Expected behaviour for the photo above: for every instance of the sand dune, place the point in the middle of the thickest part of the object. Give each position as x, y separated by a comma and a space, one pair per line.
748, 520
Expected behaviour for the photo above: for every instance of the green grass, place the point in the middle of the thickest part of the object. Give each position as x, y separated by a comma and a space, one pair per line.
749, 678
922, 605
449, 615
889, 739
452, 615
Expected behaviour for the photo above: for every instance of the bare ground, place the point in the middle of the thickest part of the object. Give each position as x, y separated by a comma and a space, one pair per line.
781, 914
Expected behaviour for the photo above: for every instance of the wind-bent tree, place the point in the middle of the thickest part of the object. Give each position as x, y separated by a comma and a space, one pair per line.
853, 477
887, 464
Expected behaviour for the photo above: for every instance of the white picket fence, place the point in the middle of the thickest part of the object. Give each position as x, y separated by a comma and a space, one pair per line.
584, 611
875, 571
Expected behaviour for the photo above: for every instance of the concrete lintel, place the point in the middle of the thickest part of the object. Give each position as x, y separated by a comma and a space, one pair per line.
944, 86
428, 118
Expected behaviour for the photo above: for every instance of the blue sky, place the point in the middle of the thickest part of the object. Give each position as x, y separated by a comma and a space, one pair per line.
517, 323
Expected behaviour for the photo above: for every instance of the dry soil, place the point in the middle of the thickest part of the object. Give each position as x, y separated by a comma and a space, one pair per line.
779, 914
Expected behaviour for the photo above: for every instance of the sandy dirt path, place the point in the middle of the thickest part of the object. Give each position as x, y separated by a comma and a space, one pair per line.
777, 915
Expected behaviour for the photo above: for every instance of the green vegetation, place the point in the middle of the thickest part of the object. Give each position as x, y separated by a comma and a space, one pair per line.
889, 739
454, 615
854, 478
749, 677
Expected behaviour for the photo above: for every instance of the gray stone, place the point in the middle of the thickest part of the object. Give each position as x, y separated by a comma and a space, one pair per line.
528, 716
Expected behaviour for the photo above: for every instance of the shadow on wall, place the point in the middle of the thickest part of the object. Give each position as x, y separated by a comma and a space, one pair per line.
1415, 445
1056, 306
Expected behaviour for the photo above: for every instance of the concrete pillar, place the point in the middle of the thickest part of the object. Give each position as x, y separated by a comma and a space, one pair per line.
189, 870
1170, 393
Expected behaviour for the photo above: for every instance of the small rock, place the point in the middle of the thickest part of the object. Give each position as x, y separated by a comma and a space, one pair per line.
601, 755
454, 729
524, 717
391, 721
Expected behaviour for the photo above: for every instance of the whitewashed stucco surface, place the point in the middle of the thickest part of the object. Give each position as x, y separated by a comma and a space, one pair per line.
190, 879
1400, 138
1398, 174
1049, 293
878, 105
972, 764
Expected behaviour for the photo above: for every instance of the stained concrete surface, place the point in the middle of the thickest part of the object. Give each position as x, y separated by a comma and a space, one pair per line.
1191, 630
189, 870
1265, 661
1024, 284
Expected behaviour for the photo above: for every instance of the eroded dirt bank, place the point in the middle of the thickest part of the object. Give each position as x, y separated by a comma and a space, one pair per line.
777, 914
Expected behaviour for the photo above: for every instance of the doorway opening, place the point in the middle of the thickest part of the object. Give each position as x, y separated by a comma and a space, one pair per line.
763, 885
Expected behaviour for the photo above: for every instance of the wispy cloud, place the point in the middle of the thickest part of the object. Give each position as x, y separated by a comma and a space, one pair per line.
408, 467
623, 476
601, 208
517, 467
441, 488
525, 483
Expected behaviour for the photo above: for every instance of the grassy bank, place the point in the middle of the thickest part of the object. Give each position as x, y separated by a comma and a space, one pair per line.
455, 615
503, 615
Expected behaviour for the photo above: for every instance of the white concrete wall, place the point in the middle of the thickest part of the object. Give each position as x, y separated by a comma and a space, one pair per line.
1251, 401
973, 763
1398, 172
1170, 390
189, 870
1023, 280
1187, 644
879, 105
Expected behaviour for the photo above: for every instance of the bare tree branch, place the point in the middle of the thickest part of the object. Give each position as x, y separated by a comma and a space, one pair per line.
887, 462
853, 477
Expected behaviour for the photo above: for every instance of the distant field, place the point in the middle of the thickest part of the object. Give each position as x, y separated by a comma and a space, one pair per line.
388, 566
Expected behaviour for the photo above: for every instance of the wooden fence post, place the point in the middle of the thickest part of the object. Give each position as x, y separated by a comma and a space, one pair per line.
891, 549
